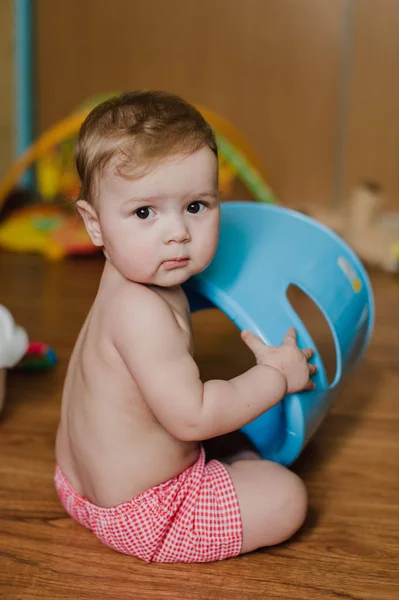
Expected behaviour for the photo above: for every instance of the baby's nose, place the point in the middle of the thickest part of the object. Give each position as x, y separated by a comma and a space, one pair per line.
177, 232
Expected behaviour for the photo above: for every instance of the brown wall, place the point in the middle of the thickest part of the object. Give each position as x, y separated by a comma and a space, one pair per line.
372, 148
273, 67
6, 86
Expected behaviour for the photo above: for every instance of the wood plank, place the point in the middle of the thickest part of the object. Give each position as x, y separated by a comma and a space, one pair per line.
349, 545
270, 67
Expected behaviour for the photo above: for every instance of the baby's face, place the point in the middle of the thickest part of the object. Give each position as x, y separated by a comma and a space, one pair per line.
164, 227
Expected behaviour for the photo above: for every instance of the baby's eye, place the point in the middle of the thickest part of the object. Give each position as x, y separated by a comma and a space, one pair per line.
144, 212
196, 207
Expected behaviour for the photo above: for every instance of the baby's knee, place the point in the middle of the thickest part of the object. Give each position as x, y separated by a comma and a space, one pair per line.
273, 502
296, 505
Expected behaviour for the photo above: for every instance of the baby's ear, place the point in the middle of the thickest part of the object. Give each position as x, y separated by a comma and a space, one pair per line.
90, 219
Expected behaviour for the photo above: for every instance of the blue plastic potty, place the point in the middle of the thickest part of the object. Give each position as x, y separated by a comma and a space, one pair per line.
263, 249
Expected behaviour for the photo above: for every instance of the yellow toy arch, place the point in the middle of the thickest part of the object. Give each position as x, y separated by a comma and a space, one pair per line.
234, 150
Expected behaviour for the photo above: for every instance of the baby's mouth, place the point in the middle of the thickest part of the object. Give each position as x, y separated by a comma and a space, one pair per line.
175, 263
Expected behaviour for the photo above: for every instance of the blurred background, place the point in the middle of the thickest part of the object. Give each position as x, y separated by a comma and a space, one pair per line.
304, 97
312, 85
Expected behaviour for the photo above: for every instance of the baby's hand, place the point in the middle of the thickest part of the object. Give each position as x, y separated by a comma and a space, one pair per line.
288, 359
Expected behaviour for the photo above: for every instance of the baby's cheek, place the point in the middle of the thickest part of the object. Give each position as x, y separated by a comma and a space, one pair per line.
210, 246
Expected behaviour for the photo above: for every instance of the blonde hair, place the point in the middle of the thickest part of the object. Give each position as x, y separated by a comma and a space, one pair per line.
137, 129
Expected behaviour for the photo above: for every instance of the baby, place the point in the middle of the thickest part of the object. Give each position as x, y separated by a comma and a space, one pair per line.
130, 463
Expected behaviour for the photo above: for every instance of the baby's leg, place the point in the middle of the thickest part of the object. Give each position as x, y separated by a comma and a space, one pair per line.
273, 502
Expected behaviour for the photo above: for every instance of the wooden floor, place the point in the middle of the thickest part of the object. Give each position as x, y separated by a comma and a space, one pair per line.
349, 546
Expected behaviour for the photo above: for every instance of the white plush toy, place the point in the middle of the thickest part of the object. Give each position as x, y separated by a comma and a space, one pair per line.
13, 345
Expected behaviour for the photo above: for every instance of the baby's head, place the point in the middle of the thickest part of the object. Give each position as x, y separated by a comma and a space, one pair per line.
149, 195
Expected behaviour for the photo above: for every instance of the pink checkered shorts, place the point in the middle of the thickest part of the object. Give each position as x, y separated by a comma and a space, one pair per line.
194, 517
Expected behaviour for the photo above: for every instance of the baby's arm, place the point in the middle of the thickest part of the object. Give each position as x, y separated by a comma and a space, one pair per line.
155, 350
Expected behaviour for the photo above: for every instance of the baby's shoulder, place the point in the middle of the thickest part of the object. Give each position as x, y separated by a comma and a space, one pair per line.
135, 295
135, 303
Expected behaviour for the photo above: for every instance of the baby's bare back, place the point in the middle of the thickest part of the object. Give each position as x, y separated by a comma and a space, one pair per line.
109, 444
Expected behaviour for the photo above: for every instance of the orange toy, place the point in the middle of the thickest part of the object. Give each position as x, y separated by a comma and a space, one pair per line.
56, 177
46, 229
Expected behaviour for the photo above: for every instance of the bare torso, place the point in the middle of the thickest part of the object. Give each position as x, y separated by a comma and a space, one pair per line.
109, 444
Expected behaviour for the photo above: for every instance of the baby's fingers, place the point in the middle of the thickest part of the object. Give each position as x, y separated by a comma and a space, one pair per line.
308, 353
254, 343
309, 386
290, 337
312, 369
